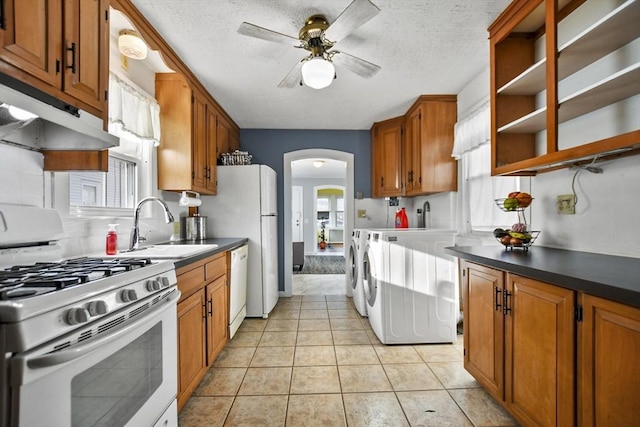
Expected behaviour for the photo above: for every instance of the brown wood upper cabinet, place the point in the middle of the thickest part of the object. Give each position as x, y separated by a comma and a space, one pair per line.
59, 47
411, 154
558, 67
386, 158
187, 153
429, 167
228, 137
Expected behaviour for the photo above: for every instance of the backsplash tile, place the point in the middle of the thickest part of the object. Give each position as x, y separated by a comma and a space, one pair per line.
21, 176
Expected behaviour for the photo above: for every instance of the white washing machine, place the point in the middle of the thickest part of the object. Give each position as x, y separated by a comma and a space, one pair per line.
354, 264
411, 286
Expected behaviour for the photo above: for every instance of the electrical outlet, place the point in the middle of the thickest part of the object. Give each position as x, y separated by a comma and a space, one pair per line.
566, 204
362, 213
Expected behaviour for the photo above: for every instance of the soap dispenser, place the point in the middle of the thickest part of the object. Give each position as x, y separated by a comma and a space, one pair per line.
112, 240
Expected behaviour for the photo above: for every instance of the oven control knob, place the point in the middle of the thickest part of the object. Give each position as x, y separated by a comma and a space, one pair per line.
128, 295
97, 308
165, 281
153, 285
77, 315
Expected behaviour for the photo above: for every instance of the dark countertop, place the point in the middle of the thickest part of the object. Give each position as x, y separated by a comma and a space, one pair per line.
224, 244
615, 278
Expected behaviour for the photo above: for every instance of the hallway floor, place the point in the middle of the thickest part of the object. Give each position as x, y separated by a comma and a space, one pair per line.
316, 362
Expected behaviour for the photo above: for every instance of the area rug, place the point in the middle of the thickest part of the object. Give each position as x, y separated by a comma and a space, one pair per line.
322, 264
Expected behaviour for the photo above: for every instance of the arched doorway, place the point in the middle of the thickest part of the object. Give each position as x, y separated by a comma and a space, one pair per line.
349, 206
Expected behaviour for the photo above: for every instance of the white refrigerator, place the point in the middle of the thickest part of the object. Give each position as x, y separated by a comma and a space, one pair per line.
245, 206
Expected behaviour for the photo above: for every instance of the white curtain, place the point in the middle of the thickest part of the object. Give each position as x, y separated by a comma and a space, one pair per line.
472, 146
132, 114
472, 131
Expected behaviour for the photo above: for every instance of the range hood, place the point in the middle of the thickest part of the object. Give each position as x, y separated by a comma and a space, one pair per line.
58, 126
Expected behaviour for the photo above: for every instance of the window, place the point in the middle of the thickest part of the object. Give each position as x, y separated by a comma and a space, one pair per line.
482, 189
340, 212
113, 189
479, 189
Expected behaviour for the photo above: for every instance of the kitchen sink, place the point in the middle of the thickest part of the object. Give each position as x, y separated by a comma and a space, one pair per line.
166, 251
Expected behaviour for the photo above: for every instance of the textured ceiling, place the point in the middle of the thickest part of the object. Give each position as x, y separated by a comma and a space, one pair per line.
423, 47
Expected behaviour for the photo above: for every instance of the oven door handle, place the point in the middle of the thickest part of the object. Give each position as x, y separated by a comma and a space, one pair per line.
53, 359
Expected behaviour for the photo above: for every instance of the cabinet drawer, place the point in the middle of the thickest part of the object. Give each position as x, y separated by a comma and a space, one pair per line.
216, 268
191, 281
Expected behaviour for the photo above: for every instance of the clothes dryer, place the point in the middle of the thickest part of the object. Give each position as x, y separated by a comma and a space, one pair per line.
412, 287
355, 273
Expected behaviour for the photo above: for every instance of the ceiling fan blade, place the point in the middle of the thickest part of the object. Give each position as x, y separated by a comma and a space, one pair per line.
294, 77
354, 64
251, 30
355, 15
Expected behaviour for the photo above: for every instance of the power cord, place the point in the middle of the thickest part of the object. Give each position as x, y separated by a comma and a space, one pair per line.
589, 168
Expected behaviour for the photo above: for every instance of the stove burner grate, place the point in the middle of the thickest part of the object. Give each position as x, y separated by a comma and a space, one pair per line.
22, 281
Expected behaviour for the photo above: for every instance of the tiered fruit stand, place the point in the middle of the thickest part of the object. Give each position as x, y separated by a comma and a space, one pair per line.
518, 240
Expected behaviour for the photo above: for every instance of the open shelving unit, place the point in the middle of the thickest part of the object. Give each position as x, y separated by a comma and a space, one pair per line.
524, 87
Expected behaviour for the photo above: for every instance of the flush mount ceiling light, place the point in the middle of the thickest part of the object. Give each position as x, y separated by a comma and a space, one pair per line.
131, 45
318, 163
318, 73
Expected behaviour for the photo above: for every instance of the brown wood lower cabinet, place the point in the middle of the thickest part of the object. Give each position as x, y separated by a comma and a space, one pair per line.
202, 320
609, 361
191, 345
522, 339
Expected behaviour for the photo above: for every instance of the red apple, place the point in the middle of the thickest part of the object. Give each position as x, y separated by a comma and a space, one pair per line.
513, 194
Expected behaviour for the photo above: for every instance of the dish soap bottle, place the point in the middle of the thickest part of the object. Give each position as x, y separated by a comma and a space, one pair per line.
112, 240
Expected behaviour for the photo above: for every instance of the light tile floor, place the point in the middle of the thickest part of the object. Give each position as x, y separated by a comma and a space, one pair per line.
316, 362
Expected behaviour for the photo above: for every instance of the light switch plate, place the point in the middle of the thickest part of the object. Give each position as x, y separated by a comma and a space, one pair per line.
362, 213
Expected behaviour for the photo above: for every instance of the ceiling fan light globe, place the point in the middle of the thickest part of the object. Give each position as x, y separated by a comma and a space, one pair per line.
318, 73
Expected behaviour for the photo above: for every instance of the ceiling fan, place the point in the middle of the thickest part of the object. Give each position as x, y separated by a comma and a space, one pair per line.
319, 37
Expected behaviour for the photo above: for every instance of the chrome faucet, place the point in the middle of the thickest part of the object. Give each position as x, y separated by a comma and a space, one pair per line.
135, 232
426, 214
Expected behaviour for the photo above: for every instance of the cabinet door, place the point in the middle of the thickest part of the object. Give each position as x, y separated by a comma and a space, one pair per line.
199, 144
234, 140
175, 153
540, 352
224, 134
30, 38
439, 170
217, 323
86, 47
413, 152
387, 146
212, 154
191, 345
484, 327
609, 361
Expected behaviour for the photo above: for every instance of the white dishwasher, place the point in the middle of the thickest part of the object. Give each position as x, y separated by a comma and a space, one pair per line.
237, 288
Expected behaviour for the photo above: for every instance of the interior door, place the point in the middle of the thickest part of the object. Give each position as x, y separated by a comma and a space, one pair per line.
296, 214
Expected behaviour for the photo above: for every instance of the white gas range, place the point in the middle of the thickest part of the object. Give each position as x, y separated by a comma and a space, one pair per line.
86, 341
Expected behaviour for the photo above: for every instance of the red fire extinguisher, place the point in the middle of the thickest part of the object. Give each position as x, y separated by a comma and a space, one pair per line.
402, 221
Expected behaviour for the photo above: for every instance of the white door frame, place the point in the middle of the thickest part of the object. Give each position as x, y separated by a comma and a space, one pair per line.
349, 214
